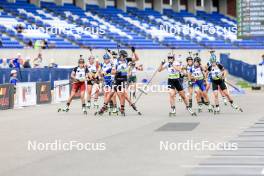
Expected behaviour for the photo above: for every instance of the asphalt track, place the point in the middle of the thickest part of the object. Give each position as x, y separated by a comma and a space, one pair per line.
132, 143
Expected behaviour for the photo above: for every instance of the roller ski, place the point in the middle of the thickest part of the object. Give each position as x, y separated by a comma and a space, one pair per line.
95, 105
88, 105
225, 101
191, 111
113, 111
122, 111
135, 109
180, 99
210, 108
216, 110
236, 107
101, 111
173, 112
200, 108
65, 109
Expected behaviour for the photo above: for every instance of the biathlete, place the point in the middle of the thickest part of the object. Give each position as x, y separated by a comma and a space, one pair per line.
198, 82
120, 70
78, 76
92, 82
106, 73
189, 65
174, 83
132, 74
218, 75
209, 80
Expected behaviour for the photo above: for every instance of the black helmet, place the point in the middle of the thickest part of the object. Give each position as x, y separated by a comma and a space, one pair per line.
171, 56
123, 53
114, 53
189, 58
197, 59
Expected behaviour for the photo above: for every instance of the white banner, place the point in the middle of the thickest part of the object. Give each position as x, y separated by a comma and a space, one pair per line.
25, 94
61, 93
260, 74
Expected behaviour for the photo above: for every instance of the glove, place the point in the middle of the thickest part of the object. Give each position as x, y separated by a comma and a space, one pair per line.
163, 62
108, 50
133, 49
190, 83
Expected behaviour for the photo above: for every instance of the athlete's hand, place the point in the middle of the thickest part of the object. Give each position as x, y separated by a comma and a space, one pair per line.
163, 62
133, 49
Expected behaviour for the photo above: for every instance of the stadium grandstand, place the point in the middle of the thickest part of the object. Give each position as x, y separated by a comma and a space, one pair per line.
122, 23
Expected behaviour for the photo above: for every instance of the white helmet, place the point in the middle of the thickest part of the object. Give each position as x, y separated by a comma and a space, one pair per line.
13, 72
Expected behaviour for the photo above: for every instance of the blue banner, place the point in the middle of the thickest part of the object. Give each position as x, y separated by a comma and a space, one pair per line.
36, 75
239, 68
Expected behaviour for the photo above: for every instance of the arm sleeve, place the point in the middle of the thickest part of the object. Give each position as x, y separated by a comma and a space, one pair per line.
74, 69
86, 70
129, 59
220, 66
209, 68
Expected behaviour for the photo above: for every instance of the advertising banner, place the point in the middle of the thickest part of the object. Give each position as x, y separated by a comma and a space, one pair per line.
6, 96
43, 92
61, 90
25, 94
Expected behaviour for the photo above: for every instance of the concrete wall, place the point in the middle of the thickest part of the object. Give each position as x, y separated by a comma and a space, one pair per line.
150, 57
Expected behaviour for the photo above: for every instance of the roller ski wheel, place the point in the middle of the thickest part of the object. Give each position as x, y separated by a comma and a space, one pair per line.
59, 110
241, 110
139, 113
122, 114
172, 114
96, 106
113, 113
216, 112
193, 114
85, 112
199, 110
210, 109
98, 113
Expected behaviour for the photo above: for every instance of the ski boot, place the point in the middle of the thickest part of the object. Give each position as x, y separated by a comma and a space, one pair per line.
135, 108
173, 111
88, 105
200, 107
224, 100
122, 111
101, 111
217, 110
236, 107
191, 111
84, 110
